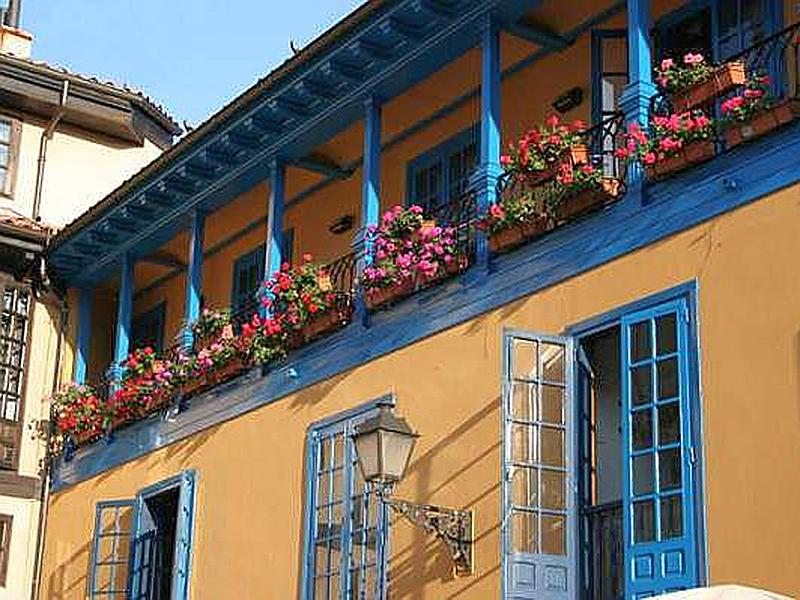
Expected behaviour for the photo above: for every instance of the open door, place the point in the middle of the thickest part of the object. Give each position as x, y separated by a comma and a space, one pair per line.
539, 483
658, 468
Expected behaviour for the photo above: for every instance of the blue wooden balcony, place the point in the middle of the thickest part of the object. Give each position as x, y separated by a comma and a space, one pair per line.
279, 125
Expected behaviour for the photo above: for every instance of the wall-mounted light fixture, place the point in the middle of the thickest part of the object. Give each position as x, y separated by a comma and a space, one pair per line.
383, 445
341, 225
569, 100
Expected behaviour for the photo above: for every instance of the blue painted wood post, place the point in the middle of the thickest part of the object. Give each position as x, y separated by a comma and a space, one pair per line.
84, 336
277, 197
484, 180
194, 277
370, 193
123, 326
635, 100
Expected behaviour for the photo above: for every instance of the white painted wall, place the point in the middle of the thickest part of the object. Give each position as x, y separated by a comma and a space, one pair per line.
80, 169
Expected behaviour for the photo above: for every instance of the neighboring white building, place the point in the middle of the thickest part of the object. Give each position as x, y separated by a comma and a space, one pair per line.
66, 141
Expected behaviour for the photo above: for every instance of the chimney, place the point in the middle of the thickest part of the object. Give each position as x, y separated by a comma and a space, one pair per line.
14, 40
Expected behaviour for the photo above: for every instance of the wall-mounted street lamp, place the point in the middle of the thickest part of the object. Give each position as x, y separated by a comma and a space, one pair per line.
383, 445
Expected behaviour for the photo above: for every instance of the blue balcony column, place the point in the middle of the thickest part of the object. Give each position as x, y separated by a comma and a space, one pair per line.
122, 334
84, 336
194, 277
635, 100
277, 197
484, 180
370, 191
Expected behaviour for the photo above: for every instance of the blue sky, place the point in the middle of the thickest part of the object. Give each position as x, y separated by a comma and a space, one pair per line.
190, 55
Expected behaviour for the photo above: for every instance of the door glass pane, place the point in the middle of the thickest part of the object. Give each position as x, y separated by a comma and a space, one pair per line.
524, 486
669, 423
523, 401
671, 517
553, 404
643, 474
523, 525
666, 334
524, 359
642, 429
643, 521
554, 534
552, 447
640, 341
523, 447
552, 362
641, 385
554, 484
667, 378
669, 469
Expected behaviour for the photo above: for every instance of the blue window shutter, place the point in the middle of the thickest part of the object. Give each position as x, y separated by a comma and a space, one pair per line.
539, 529
110, 567
659, 498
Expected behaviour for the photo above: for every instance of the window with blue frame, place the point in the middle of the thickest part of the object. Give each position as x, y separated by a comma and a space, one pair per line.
346, 523
717, 29
147, 329
248, 273
142, 546
440, 176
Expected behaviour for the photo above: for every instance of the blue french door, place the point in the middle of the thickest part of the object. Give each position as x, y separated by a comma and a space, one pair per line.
539, 484
661, 552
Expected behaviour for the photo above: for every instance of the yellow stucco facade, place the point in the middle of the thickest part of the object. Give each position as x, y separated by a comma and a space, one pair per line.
251, 480
251, 470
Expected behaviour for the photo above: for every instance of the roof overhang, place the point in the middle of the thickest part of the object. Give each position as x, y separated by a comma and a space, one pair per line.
380, 50
35, 88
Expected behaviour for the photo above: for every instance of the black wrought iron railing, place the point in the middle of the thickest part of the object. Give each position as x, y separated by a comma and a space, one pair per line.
606, 551
461, 213
776, 57
602, 141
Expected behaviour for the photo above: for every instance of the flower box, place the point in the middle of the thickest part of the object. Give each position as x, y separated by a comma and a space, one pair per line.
229, 370
588, 200
327, 322
450, 270
692, 154
576, 155
724, 79
760, 123
511, 237
88, 436
378, 297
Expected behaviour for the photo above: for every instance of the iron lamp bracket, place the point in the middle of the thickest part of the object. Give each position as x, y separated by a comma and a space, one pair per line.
454, 527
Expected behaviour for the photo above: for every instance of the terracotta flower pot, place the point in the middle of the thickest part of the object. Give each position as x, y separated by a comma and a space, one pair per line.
229, 370
81, 438
722, 80
589, 200
450, 270
195, 385
575, 155
694, 153
760, 123
511, 237
327, 322
377, 297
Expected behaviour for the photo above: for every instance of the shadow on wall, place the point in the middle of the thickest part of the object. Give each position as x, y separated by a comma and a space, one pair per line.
71, 576
425, 559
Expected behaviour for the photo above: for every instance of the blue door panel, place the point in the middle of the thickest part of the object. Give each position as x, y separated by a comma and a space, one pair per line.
658, 489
